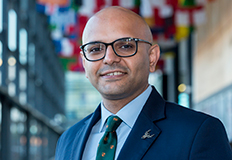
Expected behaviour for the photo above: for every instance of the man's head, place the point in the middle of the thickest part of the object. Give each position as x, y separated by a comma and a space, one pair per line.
115, 77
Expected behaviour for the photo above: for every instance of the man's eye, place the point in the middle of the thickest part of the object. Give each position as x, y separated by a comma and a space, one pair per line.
96, 49
126, 46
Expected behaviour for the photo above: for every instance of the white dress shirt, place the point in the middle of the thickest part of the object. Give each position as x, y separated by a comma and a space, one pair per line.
128, 114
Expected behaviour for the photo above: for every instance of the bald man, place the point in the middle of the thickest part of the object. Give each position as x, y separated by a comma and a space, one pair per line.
118, 56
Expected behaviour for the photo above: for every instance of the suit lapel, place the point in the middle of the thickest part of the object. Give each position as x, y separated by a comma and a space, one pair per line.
135, 147
83, 134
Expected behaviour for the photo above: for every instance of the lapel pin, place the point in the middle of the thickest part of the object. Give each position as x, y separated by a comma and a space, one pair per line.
147, 135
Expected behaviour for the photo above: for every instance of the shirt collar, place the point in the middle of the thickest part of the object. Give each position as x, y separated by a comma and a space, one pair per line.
133, 108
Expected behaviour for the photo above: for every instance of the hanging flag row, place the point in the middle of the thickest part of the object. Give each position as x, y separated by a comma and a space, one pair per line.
168, 20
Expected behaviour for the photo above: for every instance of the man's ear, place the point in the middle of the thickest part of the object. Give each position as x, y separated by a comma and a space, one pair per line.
154, 54
83, 62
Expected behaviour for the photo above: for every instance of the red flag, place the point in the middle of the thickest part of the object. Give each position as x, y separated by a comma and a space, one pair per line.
82, 20
173, 3
159, 22
115, 2
100, 4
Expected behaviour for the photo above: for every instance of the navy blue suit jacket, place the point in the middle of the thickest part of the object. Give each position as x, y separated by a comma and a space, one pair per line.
179, 134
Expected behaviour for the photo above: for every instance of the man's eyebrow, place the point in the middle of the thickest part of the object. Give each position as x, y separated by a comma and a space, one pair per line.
95, 42
99, 41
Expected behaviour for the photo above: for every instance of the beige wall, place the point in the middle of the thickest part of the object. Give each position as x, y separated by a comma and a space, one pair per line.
213, 52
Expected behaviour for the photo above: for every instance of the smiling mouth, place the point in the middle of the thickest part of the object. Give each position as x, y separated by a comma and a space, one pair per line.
114, 74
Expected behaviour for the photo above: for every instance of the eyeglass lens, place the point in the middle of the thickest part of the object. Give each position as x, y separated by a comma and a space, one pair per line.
123, 47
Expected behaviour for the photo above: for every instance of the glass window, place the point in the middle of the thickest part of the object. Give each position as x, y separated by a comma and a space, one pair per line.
24, 5
18, 134
35, 140
22, 79
23, 97
12, 30
23, 46
1, 15
1, 61
11, 75
31, 57
0, 124
45, 134
12, 89
11, 68
1, 50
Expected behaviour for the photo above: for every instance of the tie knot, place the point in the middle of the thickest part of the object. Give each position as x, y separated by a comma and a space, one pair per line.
112, 123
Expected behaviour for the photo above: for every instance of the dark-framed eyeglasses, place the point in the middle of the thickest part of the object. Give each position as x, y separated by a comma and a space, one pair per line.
122, 47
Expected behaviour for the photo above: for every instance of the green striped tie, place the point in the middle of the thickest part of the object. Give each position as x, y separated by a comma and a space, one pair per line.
108, 143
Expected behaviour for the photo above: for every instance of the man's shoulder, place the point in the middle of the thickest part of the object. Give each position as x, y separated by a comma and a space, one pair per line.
178, 109
183, 115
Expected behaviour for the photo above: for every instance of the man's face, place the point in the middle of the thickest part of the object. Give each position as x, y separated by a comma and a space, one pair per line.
117, 77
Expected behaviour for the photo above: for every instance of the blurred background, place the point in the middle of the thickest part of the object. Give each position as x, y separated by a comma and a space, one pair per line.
43, 89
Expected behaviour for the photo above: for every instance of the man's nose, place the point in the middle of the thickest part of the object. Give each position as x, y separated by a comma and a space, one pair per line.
110, 56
